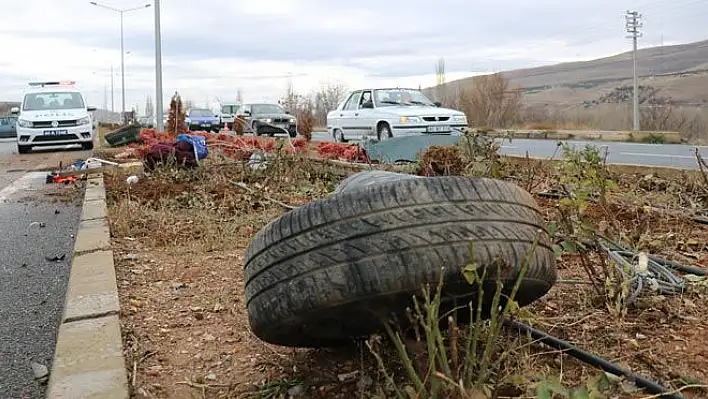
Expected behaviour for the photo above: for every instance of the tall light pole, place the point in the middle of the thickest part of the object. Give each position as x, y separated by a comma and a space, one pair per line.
122, 50
632, 27
159, 118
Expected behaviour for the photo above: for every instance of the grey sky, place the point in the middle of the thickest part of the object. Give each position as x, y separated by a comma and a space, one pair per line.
213, 47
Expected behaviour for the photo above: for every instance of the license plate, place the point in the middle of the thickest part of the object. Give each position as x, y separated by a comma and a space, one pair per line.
205, 125
54, 132
439, 129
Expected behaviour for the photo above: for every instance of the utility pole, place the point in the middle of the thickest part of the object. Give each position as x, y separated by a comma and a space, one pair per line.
632, 25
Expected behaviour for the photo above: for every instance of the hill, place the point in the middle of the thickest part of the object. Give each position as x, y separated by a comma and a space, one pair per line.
678, 71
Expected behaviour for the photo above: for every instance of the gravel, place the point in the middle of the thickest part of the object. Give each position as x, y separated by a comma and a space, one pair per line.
32, 290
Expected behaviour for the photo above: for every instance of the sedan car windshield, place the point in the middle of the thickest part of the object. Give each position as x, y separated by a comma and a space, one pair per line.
229, 109
52, 101
261, 109
200, 113
393, 97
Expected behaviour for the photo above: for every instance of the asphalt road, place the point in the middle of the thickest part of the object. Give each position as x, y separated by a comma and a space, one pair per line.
38, 223
669, 155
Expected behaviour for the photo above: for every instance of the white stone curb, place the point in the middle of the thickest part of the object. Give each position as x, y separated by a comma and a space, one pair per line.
88, 360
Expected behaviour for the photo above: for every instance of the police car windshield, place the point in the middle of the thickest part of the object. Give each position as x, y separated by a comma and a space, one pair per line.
52, 101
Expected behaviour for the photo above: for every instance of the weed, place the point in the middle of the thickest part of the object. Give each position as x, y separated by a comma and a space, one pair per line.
481, 153
456, 362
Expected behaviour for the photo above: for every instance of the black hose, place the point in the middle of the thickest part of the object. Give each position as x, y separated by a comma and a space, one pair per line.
698, 271
589, 358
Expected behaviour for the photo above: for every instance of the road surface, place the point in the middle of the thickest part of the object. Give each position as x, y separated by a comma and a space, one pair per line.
669, 155
38, 223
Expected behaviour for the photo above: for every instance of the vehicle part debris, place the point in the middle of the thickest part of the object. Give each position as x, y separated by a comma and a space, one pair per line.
332, 270
406, 148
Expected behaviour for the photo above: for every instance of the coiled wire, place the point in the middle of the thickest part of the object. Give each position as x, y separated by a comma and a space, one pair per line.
658, 277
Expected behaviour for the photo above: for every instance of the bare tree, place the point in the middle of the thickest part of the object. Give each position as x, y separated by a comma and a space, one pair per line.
188, 104
239, 97
149, 107
325, 99
490, 101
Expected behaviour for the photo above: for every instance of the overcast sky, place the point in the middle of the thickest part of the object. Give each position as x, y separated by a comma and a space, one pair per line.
211, 48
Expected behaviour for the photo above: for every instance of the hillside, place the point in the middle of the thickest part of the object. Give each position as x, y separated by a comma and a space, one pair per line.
678, 71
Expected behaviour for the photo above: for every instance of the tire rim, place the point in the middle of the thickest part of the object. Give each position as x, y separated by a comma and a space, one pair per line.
384, 133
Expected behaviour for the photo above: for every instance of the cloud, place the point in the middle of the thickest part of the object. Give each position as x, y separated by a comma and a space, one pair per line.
212, 48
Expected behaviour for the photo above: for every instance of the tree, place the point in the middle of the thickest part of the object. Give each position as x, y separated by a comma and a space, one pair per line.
149, 107
188, 104
326, 98
490, 101
175, 116
239, 97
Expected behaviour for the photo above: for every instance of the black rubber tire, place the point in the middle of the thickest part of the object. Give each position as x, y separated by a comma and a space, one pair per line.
87, 146
380, 130
254, 127
368, 178
332, 270
24, 149
292, 133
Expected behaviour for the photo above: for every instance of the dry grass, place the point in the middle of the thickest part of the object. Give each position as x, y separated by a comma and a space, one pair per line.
179, 238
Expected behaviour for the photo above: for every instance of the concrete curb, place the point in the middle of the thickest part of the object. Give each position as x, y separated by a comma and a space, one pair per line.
88, 360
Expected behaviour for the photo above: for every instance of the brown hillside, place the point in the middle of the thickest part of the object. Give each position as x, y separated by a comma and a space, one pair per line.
679, 71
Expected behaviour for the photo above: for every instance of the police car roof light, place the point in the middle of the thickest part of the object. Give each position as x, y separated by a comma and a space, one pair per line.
53, 83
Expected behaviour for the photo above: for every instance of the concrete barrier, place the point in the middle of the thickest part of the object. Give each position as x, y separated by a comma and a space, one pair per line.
591, 135
88, 360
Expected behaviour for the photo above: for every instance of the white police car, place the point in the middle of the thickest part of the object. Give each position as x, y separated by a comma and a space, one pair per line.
54, 114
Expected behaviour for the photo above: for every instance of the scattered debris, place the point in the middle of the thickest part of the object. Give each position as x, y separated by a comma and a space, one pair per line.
56, 258
41, 372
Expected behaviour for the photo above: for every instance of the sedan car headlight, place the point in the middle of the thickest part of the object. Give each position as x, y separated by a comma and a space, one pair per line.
410, 119
24, 123
459, 118
187, 120
83, 121
266, 120
292, 120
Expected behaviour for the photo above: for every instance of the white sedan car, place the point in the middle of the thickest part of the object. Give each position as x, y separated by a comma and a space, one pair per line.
385, 113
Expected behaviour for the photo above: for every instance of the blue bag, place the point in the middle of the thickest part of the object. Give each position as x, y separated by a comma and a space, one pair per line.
198, 143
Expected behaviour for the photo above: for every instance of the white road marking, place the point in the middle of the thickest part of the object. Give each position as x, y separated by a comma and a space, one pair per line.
23, 183
648, 154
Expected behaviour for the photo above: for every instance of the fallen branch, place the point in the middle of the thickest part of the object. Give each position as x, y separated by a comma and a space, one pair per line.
273, 200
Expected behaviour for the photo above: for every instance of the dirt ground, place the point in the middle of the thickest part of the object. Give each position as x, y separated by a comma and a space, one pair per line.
179, 239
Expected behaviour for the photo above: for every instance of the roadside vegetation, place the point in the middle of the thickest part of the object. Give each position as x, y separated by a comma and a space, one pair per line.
179, 237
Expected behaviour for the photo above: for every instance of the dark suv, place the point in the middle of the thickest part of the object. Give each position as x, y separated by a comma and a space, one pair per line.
270, 119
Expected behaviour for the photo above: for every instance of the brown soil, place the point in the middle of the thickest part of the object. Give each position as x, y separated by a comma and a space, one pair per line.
179, 239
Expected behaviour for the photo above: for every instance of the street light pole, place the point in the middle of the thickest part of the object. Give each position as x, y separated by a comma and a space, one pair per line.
122, 49
122, 71
160, 123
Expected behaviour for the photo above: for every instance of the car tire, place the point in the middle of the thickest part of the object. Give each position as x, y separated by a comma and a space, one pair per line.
383, 131
292, 133
24, 149
256, 128
330, 271
338, 136
87, 146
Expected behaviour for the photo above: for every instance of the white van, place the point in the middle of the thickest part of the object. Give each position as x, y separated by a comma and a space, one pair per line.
54, 114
